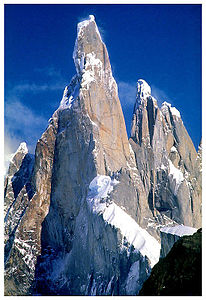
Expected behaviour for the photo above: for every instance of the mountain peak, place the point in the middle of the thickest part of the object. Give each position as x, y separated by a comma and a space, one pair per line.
22, 148
81, 25
88, 41
143, 88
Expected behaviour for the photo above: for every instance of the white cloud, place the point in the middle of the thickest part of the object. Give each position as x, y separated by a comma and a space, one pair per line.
53, 80
36, 88
10, 146
160, 95
21, 124
20, 116
127, 93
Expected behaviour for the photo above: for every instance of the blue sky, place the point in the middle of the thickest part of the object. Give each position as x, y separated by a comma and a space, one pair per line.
158, 43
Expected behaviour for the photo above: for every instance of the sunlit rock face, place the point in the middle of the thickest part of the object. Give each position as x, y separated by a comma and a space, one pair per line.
93, 202
166, 159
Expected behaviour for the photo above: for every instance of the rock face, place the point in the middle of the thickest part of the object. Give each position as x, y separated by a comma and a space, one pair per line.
180, 272
26, 212
167, 160
93, 202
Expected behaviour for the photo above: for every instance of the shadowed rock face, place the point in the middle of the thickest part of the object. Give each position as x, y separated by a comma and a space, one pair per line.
180, 272
67, 242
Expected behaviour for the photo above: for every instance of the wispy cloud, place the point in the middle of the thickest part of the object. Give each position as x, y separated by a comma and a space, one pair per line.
160, 95
53, 80
22, 123
127, 93
11, 144
36, 88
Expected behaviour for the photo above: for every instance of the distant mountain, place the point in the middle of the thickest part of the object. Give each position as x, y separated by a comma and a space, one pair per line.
83, 216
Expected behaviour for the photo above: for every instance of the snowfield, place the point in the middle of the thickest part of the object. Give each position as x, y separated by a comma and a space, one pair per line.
98, 199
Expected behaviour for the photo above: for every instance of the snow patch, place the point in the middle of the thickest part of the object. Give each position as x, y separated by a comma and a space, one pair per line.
179, 230
167, 106
99, 189
173, 149
22, 148
175, 177
92, 68
71, 92
27, 252
163, 167
81, 25
175, 112
108, 290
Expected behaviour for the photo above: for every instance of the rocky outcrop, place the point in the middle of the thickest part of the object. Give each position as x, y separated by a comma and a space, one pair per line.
96, 201
180, 272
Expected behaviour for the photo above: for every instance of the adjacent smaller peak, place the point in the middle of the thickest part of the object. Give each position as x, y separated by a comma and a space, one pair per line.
23, 148
143, 88
15, 159
168, 107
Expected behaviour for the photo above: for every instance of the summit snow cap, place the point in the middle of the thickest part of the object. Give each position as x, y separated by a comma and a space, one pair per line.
143, 88
81, 25
22, 148
167, 106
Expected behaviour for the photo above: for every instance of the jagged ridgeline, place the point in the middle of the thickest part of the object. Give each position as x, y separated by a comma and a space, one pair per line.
83, 216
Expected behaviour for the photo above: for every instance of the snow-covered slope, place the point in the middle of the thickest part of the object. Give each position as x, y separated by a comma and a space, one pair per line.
98, 198
179, 230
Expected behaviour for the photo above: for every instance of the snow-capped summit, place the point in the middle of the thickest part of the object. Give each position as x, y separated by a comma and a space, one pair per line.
143, 88
144, 95
87, 42
82, 24
22, 148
